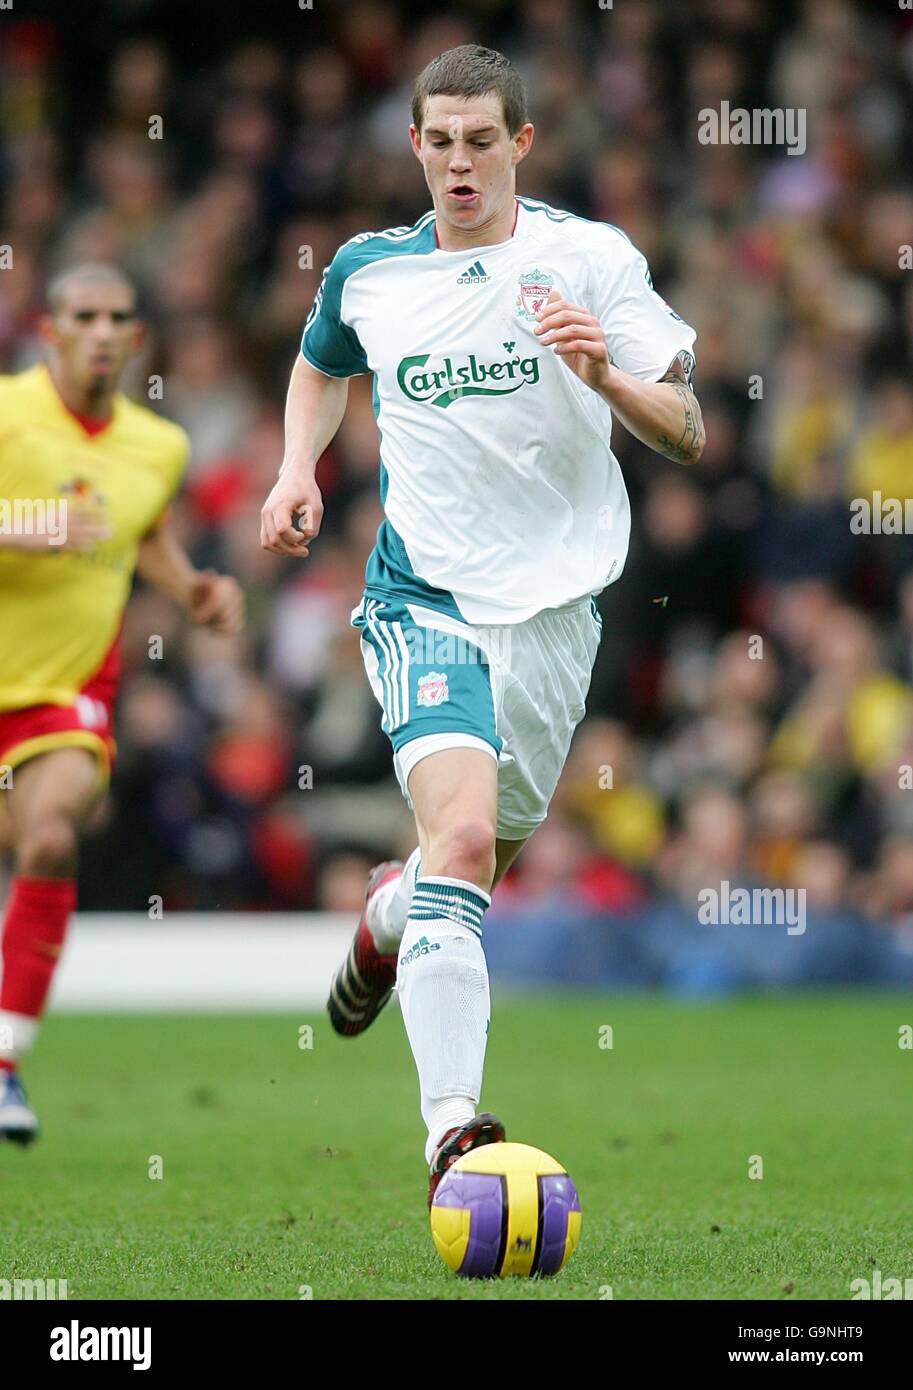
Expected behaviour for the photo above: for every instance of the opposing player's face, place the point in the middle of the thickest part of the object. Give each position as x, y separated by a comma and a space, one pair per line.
94, 332
469, 158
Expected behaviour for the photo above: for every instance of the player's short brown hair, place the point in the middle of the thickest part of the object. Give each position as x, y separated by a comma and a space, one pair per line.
472, 71
86, 273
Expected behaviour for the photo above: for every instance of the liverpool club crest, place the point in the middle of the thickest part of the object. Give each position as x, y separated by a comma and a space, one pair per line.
534, 289
432, 689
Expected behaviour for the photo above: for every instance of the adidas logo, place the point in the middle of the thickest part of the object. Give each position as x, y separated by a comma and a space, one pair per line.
422, 947
475, 275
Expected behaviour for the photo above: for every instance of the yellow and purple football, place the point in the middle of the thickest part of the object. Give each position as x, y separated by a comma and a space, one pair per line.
505, 1209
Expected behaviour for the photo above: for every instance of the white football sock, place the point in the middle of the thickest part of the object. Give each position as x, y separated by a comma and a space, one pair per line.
17, 1034
389, 908
444, 1115
442, 982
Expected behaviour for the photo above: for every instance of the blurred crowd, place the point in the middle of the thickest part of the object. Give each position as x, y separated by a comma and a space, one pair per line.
751, 713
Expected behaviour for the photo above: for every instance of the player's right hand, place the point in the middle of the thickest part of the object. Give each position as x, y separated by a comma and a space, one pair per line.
86, 526
291, 499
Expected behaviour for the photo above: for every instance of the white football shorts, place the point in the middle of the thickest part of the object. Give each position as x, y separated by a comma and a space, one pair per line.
516, 691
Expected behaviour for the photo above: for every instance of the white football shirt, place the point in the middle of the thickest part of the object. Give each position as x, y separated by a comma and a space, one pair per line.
501, 494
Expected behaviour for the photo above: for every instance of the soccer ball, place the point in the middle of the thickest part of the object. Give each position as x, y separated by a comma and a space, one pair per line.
505, 1209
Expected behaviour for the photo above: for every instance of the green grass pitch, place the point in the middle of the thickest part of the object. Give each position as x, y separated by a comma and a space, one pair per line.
288, 1168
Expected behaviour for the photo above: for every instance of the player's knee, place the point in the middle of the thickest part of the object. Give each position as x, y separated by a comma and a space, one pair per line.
465, 850
48, 849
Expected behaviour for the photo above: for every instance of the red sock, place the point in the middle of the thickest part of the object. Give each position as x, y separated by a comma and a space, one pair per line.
34, 927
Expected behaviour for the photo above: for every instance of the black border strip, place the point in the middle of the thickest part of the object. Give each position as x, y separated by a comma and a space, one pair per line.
540, 1213
502, 1247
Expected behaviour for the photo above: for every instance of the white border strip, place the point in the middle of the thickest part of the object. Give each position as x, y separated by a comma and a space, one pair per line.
123, 962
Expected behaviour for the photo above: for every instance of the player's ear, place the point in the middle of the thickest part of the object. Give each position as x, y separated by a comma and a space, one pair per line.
47, 330
139, 335
415, 141
523, 141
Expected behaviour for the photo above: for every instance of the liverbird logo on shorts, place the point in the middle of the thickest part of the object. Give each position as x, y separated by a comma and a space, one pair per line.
432, 689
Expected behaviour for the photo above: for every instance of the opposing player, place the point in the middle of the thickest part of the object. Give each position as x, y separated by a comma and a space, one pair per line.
503, 335
86, 477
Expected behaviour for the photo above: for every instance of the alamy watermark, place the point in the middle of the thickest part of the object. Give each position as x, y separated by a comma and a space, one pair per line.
879, 1287
83, 1343
759, 126
428, 646
28, 1290
34, 516
881, 516
752, 907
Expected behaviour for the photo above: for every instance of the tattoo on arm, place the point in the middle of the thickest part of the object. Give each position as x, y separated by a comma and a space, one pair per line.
691, 440
680, 368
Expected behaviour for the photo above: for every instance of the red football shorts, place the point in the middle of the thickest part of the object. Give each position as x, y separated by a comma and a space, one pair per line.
87, 723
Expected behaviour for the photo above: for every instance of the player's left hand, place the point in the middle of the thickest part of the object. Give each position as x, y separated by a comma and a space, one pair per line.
578, 337
216, 601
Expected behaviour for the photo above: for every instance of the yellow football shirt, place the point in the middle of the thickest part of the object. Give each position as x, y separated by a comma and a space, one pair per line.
60, 609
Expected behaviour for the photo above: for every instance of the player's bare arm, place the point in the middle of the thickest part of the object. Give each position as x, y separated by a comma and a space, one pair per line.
688, 446
664, 414
314, 409
207, 598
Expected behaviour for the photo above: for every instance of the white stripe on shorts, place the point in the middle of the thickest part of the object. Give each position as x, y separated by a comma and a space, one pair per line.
389, 636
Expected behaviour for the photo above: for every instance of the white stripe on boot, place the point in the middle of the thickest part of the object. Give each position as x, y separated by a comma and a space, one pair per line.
389, 907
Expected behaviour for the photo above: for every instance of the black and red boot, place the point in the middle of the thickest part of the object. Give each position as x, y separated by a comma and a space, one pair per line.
364, 982
482, 1129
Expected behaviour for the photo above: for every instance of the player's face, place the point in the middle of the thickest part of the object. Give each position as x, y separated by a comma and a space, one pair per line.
94, 333
469, 158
